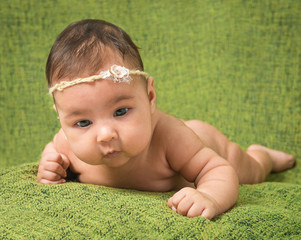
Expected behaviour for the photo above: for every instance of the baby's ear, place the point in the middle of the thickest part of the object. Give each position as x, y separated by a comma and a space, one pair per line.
151, 91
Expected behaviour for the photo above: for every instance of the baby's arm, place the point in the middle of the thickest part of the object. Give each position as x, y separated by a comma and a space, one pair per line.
53, 165
215, 180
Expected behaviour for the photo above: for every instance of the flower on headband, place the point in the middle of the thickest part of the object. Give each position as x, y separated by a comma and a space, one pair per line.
120, 74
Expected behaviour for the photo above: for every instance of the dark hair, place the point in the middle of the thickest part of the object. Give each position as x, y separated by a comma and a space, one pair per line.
79, 48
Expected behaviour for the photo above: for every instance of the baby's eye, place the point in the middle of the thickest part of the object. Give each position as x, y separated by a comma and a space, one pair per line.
83, 123
120, 112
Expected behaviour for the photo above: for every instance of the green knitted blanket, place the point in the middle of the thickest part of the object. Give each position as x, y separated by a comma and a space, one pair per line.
234, 64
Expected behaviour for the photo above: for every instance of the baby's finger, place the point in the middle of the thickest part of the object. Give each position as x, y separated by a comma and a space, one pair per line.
170, 202
176, 199
48, 175
65, 161
195, 210
55, 168
208, 213
55, 157
184, 205
52, 156
45, 181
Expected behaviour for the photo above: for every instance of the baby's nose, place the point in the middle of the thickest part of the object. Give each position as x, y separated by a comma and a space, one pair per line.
106, 133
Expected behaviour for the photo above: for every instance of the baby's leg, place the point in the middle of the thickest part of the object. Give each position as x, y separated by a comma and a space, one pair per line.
280, 160
251, 166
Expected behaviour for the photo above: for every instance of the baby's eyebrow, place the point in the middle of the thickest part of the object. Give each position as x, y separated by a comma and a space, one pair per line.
113, 101
121, 98
75, 113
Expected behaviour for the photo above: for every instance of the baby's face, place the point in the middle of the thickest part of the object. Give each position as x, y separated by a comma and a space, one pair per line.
105, 122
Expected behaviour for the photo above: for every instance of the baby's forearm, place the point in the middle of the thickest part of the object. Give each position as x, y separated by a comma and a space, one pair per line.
220, 184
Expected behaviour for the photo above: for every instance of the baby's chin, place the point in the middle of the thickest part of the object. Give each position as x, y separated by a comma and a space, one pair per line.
111, 160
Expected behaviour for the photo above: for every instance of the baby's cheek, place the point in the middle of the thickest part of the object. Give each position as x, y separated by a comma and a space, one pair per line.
84, 151
138, 137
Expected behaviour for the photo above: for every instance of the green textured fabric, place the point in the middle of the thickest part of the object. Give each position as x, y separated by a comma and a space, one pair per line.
234, 64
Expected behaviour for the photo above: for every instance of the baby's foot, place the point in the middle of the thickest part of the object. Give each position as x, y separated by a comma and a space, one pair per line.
281, 160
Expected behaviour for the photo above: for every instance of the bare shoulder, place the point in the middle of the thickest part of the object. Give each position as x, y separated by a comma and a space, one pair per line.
181, 143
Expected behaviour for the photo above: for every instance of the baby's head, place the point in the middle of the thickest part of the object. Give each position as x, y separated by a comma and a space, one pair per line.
110, 119
85, 46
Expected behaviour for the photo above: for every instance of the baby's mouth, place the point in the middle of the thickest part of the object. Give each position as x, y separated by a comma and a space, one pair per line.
112, 154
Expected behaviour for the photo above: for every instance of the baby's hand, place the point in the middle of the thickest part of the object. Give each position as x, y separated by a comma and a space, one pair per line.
52, 168
192, 203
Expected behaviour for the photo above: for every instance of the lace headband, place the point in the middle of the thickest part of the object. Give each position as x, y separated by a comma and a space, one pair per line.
116, 73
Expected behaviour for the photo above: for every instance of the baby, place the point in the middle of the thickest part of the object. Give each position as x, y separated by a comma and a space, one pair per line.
113, 135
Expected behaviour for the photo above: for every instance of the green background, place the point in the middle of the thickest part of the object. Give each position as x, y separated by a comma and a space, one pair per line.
234, 64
